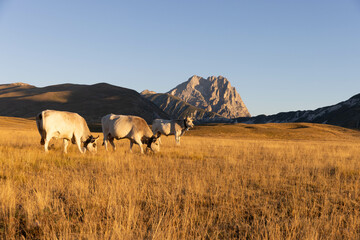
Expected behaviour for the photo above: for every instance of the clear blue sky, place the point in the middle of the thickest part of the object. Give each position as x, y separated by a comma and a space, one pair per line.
279, 55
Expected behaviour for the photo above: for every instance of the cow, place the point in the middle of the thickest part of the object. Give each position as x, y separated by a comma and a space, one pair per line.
172, 127
131, 127
67, 126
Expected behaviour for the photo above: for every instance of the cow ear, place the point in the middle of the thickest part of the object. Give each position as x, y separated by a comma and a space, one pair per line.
93, 139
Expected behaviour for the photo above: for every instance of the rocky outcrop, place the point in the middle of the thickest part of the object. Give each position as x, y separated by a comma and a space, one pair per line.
147, 92
214, 94
177, 108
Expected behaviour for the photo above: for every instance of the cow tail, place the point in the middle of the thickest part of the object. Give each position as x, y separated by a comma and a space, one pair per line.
40, 125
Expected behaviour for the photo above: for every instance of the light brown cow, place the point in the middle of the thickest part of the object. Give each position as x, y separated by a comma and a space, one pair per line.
131, 127
68, 126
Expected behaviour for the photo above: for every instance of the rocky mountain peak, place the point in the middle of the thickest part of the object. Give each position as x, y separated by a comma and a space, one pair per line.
213, 94
146, 91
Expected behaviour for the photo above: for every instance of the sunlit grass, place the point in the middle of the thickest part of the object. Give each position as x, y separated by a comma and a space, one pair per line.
260, 184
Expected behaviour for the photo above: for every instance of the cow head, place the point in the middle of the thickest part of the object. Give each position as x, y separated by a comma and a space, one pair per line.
153, 143
90, 144
188, 122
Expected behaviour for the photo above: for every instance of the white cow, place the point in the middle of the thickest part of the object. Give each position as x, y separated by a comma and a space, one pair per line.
131, 127
172, 127
65, 125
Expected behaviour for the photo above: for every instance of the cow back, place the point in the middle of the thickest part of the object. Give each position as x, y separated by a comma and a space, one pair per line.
65, 123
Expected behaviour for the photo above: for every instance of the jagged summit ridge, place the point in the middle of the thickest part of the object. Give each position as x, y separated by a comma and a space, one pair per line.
213, 94
177, 108
146, 91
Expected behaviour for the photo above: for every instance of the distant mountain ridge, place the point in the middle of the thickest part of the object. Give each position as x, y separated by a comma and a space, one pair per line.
214, 94
94, 101
345, 114
90, 101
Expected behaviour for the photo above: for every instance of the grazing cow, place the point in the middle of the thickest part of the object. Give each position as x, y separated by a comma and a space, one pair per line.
172, 127
65, 125
131, 127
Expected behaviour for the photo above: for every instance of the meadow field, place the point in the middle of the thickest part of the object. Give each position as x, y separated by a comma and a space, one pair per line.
271, 181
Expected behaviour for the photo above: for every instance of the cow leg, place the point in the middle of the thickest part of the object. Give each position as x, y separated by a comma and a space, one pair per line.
177, 139
66, 142
47, 140
78, 143
138, 142
46, 145
105, 140
111, 141
131, 145
105, 143
141, 148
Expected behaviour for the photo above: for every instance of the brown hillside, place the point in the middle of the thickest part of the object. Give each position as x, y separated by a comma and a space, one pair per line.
13, 123
90, 101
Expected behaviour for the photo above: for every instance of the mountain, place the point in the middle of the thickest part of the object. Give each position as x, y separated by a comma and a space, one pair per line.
214, 94
345, 114
90, 101
177, 108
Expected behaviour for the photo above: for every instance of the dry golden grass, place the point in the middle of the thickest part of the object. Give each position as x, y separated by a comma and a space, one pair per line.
277, 181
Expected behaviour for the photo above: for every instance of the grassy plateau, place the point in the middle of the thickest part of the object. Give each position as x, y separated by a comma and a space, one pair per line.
270, 181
